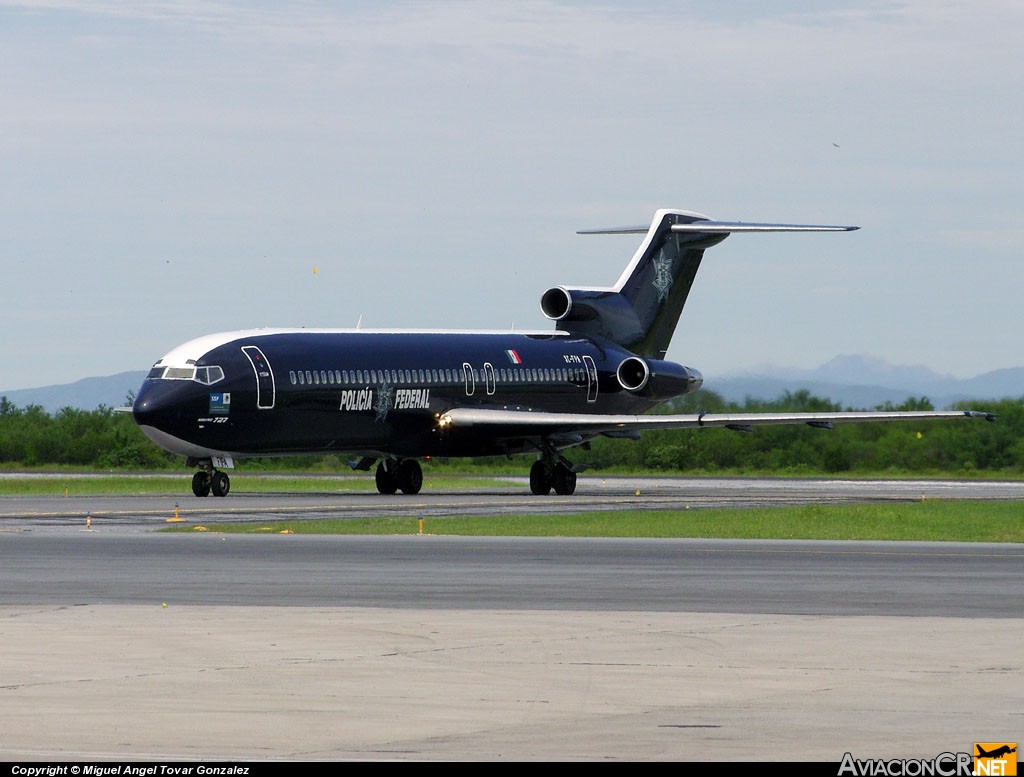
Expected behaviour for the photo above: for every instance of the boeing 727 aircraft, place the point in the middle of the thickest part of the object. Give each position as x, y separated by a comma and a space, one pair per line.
390, 397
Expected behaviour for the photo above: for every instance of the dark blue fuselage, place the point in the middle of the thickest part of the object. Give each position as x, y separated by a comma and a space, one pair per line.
270, 392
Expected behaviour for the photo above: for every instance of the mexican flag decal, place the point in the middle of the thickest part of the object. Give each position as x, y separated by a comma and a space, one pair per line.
513, 356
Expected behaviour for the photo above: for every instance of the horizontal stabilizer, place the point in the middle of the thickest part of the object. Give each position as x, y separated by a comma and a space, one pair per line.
720, 228
728, 227
640, 229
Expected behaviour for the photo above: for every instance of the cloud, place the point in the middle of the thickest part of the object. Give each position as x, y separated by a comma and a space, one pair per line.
422, 154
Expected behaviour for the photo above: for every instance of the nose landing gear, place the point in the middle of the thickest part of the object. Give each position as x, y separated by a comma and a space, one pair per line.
209, 480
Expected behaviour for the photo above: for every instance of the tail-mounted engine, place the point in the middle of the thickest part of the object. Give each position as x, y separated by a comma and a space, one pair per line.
657, 379
606, 312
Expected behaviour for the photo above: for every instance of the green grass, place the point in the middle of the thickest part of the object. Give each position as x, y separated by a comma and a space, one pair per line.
931, 520
181, 483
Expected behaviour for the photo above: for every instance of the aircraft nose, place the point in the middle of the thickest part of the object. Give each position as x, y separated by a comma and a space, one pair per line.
145, 399
158, 402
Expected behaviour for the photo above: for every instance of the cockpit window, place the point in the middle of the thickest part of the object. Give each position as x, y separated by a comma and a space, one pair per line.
205, 375
209, 375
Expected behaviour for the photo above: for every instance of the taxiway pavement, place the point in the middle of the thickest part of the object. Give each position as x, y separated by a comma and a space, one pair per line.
125, 644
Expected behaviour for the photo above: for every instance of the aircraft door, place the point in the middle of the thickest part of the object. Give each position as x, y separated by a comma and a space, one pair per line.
470, 378
264, 377
588, 361
489, 380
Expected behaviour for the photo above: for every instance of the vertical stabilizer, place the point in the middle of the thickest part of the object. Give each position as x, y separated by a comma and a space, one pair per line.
641, 311
658, 279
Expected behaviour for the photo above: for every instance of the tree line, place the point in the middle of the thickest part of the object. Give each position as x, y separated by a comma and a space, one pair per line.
952, 447
101, 438
105, 439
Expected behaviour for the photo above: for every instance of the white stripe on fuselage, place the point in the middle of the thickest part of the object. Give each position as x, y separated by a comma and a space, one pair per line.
188, 353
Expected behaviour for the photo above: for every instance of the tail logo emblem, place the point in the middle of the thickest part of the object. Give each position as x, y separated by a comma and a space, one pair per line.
662, 275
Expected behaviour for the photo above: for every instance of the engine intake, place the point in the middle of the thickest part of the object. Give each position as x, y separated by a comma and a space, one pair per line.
657, 379
556, 303
633, 373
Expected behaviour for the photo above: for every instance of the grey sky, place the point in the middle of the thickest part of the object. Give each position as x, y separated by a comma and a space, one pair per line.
169, 169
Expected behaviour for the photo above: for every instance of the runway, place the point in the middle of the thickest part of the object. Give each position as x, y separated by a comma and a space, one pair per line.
121, 643
338, 500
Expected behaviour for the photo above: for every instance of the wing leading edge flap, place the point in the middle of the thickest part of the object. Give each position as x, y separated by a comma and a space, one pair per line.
558, 423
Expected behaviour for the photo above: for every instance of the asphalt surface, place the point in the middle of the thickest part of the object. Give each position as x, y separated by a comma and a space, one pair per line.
337, 500
119, 643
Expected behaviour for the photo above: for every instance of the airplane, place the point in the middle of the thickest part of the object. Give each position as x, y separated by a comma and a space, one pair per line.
392, 397
999, 751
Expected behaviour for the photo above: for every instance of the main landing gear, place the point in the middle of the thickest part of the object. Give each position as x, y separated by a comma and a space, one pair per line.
210, 481
404, 474
552, 470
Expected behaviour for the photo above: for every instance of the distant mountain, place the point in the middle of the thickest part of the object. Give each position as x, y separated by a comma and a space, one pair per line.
860, 381
852, 381
861, 369
85, 394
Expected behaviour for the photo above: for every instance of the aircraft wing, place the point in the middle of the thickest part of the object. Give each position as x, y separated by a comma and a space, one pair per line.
528, 423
